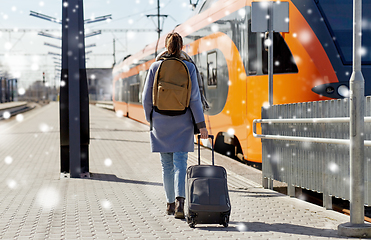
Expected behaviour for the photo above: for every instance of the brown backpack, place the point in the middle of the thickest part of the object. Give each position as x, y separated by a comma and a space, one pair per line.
171, 87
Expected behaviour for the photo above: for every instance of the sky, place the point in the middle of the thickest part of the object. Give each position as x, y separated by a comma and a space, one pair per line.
24, 55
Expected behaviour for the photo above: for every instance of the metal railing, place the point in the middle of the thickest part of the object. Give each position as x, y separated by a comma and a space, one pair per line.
307, 120
306, 145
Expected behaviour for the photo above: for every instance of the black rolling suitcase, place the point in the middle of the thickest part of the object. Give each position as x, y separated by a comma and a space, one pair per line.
207, 199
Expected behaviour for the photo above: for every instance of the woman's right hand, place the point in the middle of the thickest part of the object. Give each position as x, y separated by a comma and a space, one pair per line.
204, 133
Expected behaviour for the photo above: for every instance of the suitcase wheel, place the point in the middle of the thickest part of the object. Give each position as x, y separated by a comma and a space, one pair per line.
225, 221
191, 222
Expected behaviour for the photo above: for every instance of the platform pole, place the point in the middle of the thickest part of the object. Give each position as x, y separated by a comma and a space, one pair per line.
74, 102
356, 227
270, 54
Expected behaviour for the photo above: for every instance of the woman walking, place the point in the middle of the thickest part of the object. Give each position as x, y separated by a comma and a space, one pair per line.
173, 136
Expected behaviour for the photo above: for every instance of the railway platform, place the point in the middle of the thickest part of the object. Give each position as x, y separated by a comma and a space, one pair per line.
123, 198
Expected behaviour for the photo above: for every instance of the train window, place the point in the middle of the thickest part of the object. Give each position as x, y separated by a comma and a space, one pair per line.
254, 52
283, 61
338, 16
258, 54
117, 90
134, 92
142, 78
211, 69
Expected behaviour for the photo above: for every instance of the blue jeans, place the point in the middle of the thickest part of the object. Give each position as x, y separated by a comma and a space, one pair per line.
174, 167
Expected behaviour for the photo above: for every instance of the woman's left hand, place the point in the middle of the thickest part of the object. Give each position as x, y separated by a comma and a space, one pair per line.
204, 133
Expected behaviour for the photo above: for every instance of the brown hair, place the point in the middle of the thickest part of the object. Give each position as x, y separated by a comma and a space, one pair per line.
174, 44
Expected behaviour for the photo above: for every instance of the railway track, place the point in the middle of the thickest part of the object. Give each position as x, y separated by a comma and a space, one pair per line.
13, 108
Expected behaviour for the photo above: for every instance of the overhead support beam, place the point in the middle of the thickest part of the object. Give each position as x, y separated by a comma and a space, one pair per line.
44, 34
52, 45
45, 17
98, 19
93, 33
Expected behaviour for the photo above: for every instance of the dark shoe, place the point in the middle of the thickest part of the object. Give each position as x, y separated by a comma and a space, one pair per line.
170, 208
179, 208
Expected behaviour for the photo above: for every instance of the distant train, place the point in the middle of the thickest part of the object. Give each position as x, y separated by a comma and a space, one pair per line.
312, 62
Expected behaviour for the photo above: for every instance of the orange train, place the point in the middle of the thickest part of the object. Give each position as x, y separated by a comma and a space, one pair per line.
311, 62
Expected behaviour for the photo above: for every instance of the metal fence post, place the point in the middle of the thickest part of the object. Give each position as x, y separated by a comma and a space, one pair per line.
356, 227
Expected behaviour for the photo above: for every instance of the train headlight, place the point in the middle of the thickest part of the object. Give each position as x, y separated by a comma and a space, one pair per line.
343, 91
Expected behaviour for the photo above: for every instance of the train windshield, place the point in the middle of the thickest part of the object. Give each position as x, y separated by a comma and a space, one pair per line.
338, 15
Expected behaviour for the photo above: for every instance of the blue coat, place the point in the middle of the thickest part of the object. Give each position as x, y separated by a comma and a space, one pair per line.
173, 133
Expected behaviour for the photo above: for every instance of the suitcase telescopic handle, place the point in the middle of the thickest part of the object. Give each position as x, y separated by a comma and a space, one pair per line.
212, 148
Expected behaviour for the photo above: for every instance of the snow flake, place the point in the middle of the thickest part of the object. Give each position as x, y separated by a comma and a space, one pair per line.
108, 162
41, 4
267, 42
106, 204
333, 167
35, 67
12, 184
275, 158
44, 127
362, 51
19, 117
8, 45
131, 35
14, 8
264, 4
231, 132
307, 145
63, 83
266, 105
305, 37
241, 227
6, 115
8, 160
48, 198
343, 91
242, 12
214, 27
